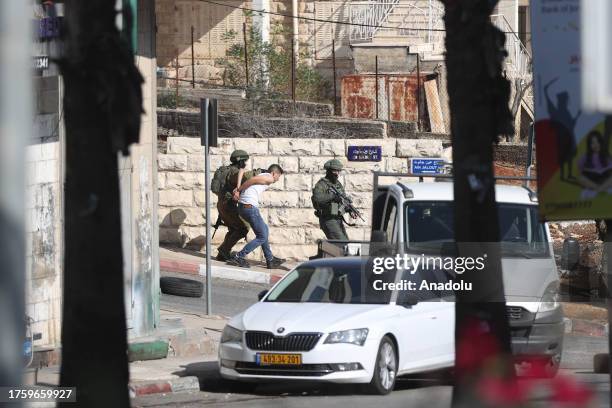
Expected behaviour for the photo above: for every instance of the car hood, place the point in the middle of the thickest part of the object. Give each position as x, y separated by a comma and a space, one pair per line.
307, 317
526, 279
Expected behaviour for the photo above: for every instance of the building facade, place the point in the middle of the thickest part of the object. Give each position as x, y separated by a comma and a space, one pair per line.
45, 187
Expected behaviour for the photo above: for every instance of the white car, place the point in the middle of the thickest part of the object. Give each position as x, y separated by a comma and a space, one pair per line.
323, 321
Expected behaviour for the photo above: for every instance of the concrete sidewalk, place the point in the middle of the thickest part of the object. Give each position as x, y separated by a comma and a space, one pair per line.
193, 341
194, 263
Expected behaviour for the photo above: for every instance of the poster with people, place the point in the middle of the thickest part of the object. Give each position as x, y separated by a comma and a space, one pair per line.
574, 164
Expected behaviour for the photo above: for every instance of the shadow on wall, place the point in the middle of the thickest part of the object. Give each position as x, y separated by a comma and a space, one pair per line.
183, 237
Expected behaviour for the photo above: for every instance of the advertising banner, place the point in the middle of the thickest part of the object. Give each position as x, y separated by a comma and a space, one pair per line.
573, 151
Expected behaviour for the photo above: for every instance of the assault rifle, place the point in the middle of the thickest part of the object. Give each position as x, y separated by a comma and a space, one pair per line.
218, 223
346, 202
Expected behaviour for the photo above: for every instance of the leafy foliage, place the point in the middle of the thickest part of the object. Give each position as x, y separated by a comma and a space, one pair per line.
269, 67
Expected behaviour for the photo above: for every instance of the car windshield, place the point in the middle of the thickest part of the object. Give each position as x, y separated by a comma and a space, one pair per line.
331, 284
431, 225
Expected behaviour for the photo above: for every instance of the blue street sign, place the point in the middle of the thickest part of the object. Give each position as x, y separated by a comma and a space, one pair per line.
425, 166
48, 28
364, 153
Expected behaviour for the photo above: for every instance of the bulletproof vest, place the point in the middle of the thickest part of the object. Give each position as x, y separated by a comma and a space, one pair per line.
332, 208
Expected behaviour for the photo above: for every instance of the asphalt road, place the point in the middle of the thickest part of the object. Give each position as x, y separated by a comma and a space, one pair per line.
231, 297
409, 392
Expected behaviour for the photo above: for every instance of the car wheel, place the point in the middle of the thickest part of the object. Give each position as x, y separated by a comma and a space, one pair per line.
600, 363
385, 368
181, 287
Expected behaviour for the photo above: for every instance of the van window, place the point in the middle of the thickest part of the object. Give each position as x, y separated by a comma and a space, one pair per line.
521, 233
390, 220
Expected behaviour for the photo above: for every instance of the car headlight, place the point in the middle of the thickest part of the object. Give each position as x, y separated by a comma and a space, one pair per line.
550, 299
231, 335
353, 336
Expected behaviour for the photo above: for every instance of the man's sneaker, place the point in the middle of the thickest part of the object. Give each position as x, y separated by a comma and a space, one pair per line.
238, 261
274, 262
223, 256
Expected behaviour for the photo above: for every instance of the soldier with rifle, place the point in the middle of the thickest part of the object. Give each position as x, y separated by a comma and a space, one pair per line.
331, 202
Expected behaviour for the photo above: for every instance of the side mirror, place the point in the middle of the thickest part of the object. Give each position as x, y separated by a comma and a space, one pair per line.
378, 236
571, 254
407, 300
261, 294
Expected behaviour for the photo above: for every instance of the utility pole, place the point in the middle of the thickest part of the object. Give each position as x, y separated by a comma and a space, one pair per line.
478, 100
102, 108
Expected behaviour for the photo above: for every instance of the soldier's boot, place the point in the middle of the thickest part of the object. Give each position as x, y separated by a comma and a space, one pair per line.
223, 256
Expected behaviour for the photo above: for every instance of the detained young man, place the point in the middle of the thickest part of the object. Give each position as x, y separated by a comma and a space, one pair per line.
248, 195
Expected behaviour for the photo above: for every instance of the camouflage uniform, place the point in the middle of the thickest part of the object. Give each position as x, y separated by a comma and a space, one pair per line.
228, 211
328, 210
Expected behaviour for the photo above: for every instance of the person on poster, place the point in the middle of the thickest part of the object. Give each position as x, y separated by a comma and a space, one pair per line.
565, 124
595, 167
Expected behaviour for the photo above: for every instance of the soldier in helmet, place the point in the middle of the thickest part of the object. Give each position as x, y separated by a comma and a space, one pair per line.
227, 207
326, 204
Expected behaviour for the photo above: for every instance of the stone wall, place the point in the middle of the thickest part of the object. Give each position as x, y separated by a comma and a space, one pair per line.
44, 222
231, 124
286, 207
268, 107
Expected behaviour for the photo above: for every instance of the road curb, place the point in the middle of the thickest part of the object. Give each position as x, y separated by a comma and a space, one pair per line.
167, 386
222, 272
238, 274
172, 265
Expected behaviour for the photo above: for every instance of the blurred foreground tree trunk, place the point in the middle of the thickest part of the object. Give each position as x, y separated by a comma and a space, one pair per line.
102, 107
478, 100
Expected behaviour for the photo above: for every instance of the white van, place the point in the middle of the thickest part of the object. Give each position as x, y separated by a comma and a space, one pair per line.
409, 216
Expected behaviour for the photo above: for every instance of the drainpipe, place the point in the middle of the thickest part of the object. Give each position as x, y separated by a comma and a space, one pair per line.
261, 24
296, 29
262, 20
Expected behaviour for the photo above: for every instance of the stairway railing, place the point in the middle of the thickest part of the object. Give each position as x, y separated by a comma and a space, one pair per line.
372, 15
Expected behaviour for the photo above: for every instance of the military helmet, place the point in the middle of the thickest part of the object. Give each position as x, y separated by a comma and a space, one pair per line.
333, 164
238, 155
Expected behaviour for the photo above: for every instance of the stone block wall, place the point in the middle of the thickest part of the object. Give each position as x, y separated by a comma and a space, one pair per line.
286, 206
44, 231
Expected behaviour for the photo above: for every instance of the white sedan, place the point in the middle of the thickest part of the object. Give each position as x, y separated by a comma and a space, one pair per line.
325, 321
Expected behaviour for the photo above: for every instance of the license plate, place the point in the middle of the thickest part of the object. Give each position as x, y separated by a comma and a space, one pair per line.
278, 359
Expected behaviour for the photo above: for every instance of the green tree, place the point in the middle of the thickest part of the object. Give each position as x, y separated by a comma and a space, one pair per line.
269, 67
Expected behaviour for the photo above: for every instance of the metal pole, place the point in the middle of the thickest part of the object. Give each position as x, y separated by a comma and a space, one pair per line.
176, 72
376, 80
192, 61
388, 91
204, 103
529, 153
608, 261
293, 75
246, 55
607, 258
418, 64
208, 229
334, 69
